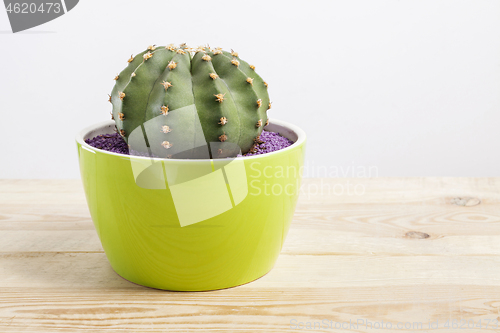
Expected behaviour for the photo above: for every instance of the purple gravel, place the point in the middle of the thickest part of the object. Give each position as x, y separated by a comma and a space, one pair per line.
271, 141
109, 142
114, 143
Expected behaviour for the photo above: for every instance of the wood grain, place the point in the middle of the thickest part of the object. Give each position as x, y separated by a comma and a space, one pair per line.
407, 251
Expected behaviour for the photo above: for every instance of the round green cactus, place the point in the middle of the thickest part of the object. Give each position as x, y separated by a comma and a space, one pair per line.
190, 103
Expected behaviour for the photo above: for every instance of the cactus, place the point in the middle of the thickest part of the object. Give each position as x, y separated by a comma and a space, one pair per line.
164, 91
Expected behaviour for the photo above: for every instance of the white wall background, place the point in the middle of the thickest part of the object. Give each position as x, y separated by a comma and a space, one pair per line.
410, 87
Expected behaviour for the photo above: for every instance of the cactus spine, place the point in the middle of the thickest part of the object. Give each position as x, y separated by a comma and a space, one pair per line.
169, 89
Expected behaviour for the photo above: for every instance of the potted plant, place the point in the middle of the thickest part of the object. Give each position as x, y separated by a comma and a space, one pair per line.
188, 211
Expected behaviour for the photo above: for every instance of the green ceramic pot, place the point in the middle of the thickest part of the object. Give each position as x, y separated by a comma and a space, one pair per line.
192, 224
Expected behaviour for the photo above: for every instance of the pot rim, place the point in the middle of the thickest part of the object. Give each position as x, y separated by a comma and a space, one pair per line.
301, 138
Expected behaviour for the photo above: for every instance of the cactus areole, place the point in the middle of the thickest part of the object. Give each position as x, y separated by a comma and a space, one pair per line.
189, 103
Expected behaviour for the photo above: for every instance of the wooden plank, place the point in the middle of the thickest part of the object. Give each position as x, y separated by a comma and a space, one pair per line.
245, 309
92, 270
49, 241
299, 242
90, 295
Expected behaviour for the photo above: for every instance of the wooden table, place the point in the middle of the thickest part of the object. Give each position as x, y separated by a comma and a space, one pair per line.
384, 252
